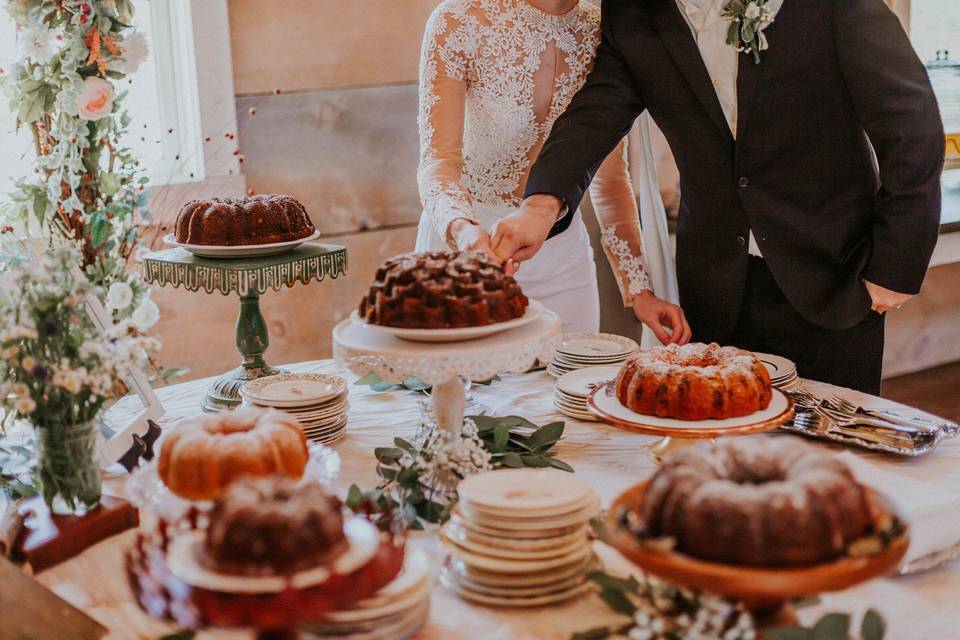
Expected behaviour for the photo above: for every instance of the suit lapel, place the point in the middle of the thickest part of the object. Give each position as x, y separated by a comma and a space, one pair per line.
748, 77
679, 42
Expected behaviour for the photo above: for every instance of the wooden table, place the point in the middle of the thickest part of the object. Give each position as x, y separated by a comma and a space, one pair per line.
916, 607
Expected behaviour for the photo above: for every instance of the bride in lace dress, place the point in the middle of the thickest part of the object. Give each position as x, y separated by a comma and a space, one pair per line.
494, 75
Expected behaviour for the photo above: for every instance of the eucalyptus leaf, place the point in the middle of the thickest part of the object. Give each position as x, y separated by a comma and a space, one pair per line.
501, 435
354, 497
186, 634
559, 464
607, 581
834, 626
593, 634
873, 626
546, 436
617, 601
512, 460
535, 461
788, 633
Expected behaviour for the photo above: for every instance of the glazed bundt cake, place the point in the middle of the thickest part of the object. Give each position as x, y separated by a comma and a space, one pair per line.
758, 502
203, 456
264, 219
694, 382
442, 290
271, 526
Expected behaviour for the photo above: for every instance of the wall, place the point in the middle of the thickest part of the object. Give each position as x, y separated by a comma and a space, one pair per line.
326, 105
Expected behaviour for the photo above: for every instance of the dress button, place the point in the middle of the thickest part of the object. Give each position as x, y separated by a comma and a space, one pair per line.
742, 241
743, 182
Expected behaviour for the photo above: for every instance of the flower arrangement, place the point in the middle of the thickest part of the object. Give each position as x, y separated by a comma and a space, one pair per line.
419, 479
64, 88
57, 370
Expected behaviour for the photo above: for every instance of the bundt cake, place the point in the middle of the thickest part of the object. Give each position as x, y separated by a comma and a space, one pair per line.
271, 526
264, 219
442, 290
203, 456
758, 502
694, 382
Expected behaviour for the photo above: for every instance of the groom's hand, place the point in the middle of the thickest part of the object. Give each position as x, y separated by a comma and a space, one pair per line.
666, 320
885, 299
520, 235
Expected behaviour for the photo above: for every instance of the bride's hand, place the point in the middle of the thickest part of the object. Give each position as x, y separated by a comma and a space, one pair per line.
665, 320
470, 236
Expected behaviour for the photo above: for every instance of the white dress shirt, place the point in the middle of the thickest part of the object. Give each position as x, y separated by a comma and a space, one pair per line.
709, 30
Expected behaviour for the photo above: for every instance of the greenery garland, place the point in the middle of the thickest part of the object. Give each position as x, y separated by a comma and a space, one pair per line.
73, 55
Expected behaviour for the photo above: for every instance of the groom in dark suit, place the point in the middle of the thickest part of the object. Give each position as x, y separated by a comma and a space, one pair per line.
810, 150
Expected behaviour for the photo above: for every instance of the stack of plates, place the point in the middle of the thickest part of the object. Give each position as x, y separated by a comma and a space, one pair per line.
520, 538
783, 372
397, 611
571, 391
580, 350
318, 401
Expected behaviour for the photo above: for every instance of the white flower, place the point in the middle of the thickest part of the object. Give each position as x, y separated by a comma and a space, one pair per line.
135, 52
10, 352
95, 100
72, 383
145, 315
764, 45
119, 296
25, 405
752, 11
37, 44
28, 363
20, 390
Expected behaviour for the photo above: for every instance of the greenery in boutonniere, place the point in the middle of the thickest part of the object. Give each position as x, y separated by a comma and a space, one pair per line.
748, 19
661, 611
419, 478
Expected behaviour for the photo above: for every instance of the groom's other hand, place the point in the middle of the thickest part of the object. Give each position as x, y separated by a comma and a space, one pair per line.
520, 235
666, 320
884, 299
470, 236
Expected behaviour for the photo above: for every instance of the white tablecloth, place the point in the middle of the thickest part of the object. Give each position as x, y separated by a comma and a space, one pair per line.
916, 607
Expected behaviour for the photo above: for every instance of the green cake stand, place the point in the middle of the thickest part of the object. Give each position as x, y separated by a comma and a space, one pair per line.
249, 278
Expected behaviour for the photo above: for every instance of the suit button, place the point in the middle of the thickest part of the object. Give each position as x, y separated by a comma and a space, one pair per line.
743, 182
742, 241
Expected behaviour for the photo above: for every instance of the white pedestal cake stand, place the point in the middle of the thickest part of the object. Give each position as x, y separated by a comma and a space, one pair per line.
365, 350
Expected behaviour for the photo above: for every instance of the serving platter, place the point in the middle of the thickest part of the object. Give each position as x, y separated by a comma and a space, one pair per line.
534, 310
767, 591
239, 251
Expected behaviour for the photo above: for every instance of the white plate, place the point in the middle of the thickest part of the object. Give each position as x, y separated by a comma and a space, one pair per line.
581, 382
505, 601
185, 550
534, 309
609, 404
596, 345
239, 251
408, 588
293, 390
777, 366
523, 490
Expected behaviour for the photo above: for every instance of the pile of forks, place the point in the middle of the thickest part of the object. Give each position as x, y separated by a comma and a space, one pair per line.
837, 419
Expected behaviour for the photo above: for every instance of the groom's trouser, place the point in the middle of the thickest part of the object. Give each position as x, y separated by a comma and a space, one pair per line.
846, 357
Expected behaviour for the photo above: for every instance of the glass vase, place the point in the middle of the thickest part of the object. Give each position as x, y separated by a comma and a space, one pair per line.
68, 467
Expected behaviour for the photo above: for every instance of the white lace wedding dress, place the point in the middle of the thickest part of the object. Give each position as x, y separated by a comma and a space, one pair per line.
494, 76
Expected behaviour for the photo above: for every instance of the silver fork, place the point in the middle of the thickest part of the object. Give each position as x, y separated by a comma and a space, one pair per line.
845, 405
847, 419
823, 424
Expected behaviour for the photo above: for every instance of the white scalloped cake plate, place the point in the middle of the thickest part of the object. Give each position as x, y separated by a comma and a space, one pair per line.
239, 251
184, 561
778, 367
608, 403
534, 310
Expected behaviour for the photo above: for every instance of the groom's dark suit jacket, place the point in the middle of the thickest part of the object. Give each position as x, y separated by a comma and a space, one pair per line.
839, 80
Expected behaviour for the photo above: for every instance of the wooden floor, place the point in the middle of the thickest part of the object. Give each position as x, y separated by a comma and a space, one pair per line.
935, 390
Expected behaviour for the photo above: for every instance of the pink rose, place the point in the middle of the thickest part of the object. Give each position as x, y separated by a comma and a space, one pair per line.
96, 99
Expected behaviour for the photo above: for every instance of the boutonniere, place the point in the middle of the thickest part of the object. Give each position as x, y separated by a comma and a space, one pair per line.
748, 19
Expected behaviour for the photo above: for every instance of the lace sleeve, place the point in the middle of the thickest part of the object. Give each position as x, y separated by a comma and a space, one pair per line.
616, 206
442, 98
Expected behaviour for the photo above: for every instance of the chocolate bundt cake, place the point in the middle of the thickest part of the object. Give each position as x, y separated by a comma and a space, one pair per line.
758, 502
694, 382
262, 219
442, 290
271, 526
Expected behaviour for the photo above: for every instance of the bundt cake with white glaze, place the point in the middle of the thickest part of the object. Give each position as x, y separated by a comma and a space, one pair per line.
758, 502
202, 456
262, 219
694, 382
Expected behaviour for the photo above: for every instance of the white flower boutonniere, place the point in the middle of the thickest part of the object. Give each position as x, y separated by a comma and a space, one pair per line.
748, 19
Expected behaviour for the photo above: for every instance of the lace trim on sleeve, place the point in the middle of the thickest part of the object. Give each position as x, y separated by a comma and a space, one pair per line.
630, 265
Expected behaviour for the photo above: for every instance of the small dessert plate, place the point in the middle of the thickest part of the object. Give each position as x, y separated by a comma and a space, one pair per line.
534, 310
597, 345
289, 390
581, 382
239, 251
524, 491
778, 367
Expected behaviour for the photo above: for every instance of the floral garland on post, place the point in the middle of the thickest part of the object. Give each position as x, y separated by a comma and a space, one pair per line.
86, 183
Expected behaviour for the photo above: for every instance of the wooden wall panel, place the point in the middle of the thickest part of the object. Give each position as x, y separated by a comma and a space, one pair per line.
297, 45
